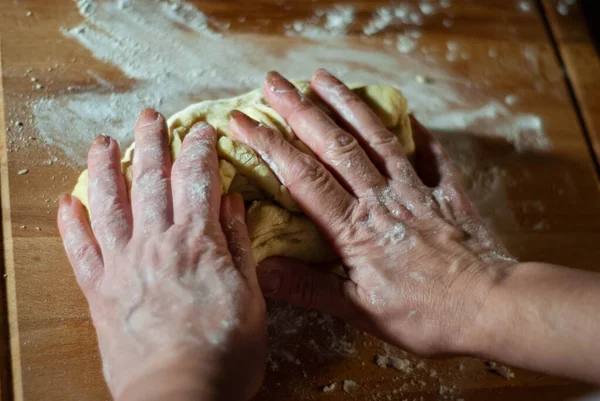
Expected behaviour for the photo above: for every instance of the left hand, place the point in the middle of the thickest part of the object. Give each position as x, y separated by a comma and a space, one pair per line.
169, 274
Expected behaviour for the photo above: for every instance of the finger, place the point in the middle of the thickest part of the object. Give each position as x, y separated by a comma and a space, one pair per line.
195, 177
315, 190
82, 249
109, 203
151, 201
437, 171
336, 148
379, 143
233, 223
296, 283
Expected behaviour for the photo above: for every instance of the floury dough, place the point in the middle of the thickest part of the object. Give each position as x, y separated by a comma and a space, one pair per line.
276, 225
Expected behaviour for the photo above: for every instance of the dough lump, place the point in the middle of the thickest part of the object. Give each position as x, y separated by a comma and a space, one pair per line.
275, 223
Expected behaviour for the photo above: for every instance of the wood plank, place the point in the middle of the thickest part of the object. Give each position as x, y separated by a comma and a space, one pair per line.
543, 201
582, 61
6, 248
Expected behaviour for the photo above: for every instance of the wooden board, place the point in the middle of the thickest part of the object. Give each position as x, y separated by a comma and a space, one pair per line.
582, 63
549, 211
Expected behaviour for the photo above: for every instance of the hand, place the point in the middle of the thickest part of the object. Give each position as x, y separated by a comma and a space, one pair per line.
172, 288
419, 261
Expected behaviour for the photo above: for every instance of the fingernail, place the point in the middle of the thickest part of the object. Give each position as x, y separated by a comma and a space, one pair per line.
324, 75
277, 83
148, 116
269, 281
65, 199
272, 77
201, 125
244, 119
235, 114
102, 140
322, 72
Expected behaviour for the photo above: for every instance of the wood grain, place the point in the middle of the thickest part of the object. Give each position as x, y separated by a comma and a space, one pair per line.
582, 64
550, 209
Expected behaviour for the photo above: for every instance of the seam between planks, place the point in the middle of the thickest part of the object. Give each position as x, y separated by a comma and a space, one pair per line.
570, 87
12, 387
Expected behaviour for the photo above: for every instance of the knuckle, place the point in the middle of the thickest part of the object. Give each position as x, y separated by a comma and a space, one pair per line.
150, 175
268, 140
383, 138
302, 106
346, 95
149, 153
184, 168
306, 170
105, 206
341, 143
84, 253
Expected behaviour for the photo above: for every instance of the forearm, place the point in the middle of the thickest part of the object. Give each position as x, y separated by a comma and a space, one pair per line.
545, 318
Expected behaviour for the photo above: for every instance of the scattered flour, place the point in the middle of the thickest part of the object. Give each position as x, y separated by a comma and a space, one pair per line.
525, 6
382, 19
427, 8
324, 24
563, 6
400, 364
511, 99
501, 370
349, 385
405, 44
401, 14
294, 331
195, 58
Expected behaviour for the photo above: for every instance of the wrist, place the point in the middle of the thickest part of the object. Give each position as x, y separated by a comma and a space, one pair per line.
488, 315
173, 375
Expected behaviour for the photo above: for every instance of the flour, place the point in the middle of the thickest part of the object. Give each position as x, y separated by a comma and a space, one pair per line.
382, 18
448, 23
401, 14
349, 385
524, 131
405, 44
511, 100
182, 67
563, 6
525, 6
324, 23
427, 8
294, 332
400, 364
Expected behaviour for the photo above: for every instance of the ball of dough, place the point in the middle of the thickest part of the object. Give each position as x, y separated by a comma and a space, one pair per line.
275, 223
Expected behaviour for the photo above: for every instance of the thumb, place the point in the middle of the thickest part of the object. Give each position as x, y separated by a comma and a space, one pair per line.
294, 282
234, 227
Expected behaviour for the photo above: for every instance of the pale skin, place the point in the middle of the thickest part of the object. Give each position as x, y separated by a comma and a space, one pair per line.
178, 301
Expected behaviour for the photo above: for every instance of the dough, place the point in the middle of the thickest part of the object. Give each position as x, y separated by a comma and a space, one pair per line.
276, 225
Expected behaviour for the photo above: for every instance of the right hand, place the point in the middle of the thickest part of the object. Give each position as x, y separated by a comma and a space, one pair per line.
420, 262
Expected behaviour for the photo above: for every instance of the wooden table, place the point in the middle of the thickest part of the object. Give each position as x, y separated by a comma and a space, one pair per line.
549, 211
